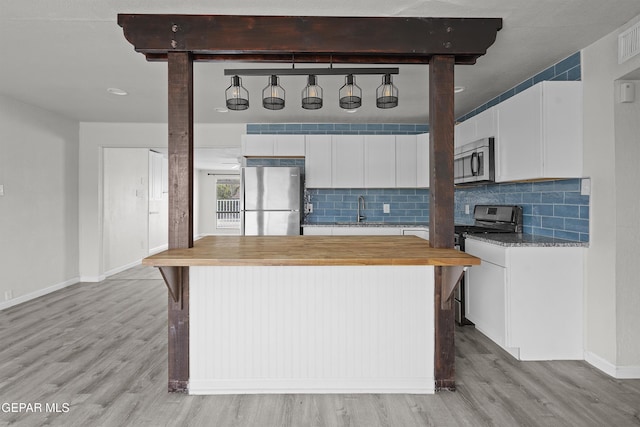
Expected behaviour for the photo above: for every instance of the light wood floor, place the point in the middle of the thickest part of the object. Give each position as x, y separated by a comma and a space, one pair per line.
101, 348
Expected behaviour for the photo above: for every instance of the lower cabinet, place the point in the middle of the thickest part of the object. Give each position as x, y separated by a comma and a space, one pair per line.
352, 231
363, 230
317, 231
529, 300
422, 232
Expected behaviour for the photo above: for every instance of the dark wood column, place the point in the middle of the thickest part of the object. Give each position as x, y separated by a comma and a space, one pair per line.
441, 123
180, 119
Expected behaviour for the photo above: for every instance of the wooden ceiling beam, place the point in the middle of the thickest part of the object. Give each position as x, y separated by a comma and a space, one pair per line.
313, 59
317, 39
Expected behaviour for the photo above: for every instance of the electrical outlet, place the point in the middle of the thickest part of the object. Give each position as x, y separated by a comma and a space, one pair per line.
8, 295
309, 207
386, 208
466, 209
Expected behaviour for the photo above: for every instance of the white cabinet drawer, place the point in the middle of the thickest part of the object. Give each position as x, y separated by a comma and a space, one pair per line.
487, 252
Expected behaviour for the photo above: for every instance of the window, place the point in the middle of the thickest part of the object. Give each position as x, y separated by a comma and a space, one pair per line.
228, 203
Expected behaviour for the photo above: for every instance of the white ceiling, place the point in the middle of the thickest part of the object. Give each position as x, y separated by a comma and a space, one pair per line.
62, 55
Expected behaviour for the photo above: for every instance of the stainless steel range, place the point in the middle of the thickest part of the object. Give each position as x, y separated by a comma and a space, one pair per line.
487, 219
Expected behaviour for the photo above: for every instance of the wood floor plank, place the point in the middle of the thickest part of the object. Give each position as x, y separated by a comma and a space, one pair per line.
101, 347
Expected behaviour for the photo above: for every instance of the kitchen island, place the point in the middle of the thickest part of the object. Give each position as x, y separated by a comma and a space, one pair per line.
310, 314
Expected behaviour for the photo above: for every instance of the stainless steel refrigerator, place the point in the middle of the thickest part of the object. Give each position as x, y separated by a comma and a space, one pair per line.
271, 201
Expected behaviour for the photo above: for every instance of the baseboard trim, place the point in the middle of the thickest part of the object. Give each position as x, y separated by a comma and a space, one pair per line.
92, 278
315, 386
36, 294
618, 372
158, 249
122, 268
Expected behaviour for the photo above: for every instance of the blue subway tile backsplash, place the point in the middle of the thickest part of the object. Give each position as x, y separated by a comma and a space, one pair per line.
550, 208
341, 205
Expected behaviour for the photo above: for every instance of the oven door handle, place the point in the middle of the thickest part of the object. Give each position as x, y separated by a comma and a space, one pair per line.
475, 166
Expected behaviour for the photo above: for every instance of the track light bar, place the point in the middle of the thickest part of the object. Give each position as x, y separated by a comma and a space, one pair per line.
307, 71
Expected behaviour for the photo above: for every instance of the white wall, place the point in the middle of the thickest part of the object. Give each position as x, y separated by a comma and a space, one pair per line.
39, 209
126, 207
158, 203
94, 137
609, 321
627, 155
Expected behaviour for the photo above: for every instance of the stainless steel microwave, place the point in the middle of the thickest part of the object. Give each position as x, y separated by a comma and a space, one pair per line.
474, 162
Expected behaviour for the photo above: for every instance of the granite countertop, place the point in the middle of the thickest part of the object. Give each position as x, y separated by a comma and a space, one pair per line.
368, 224
524, 240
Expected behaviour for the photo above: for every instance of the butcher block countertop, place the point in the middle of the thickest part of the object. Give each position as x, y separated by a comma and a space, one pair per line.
309, 250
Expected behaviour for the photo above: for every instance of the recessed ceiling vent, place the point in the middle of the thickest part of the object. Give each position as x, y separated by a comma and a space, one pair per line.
629, 43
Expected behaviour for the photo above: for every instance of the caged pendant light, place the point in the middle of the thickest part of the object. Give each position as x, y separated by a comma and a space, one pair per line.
273, 94
387, 93
312, 94
236, 95
350, 94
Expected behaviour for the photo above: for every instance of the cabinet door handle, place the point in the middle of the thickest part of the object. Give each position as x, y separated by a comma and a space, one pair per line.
474, 164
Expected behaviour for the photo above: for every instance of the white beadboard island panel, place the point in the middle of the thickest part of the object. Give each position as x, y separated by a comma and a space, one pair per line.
311, 329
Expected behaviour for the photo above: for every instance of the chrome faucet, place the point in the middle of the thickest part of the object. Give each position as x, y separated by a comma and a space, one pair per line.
361, 217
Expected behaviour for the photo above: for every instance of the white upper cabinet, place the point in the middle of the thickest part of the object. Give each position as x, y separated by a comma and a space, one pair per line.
486, 124
289, 146
412, 161
258, 145
379, 161
540, 133
273, 145
406, 161
422, 156
482, 125
318, 161
372, 161
464, 132
348, 161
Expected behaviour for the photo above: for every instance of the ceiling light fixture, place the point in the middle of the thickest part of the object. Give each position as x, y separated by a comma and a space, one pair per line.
273, 94
237, 96
116, 91
312, 94
458, 89
387, 93
350, 93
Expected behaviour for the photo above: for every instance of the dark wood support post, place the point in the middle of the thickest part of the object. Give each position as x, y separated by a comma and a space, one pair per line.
441, 230
180, 70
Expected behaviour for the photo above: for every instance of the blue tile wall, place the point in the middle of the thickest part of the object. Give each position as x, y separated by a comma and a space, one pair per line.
337, 128
341, 205
550, 208
569, 69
